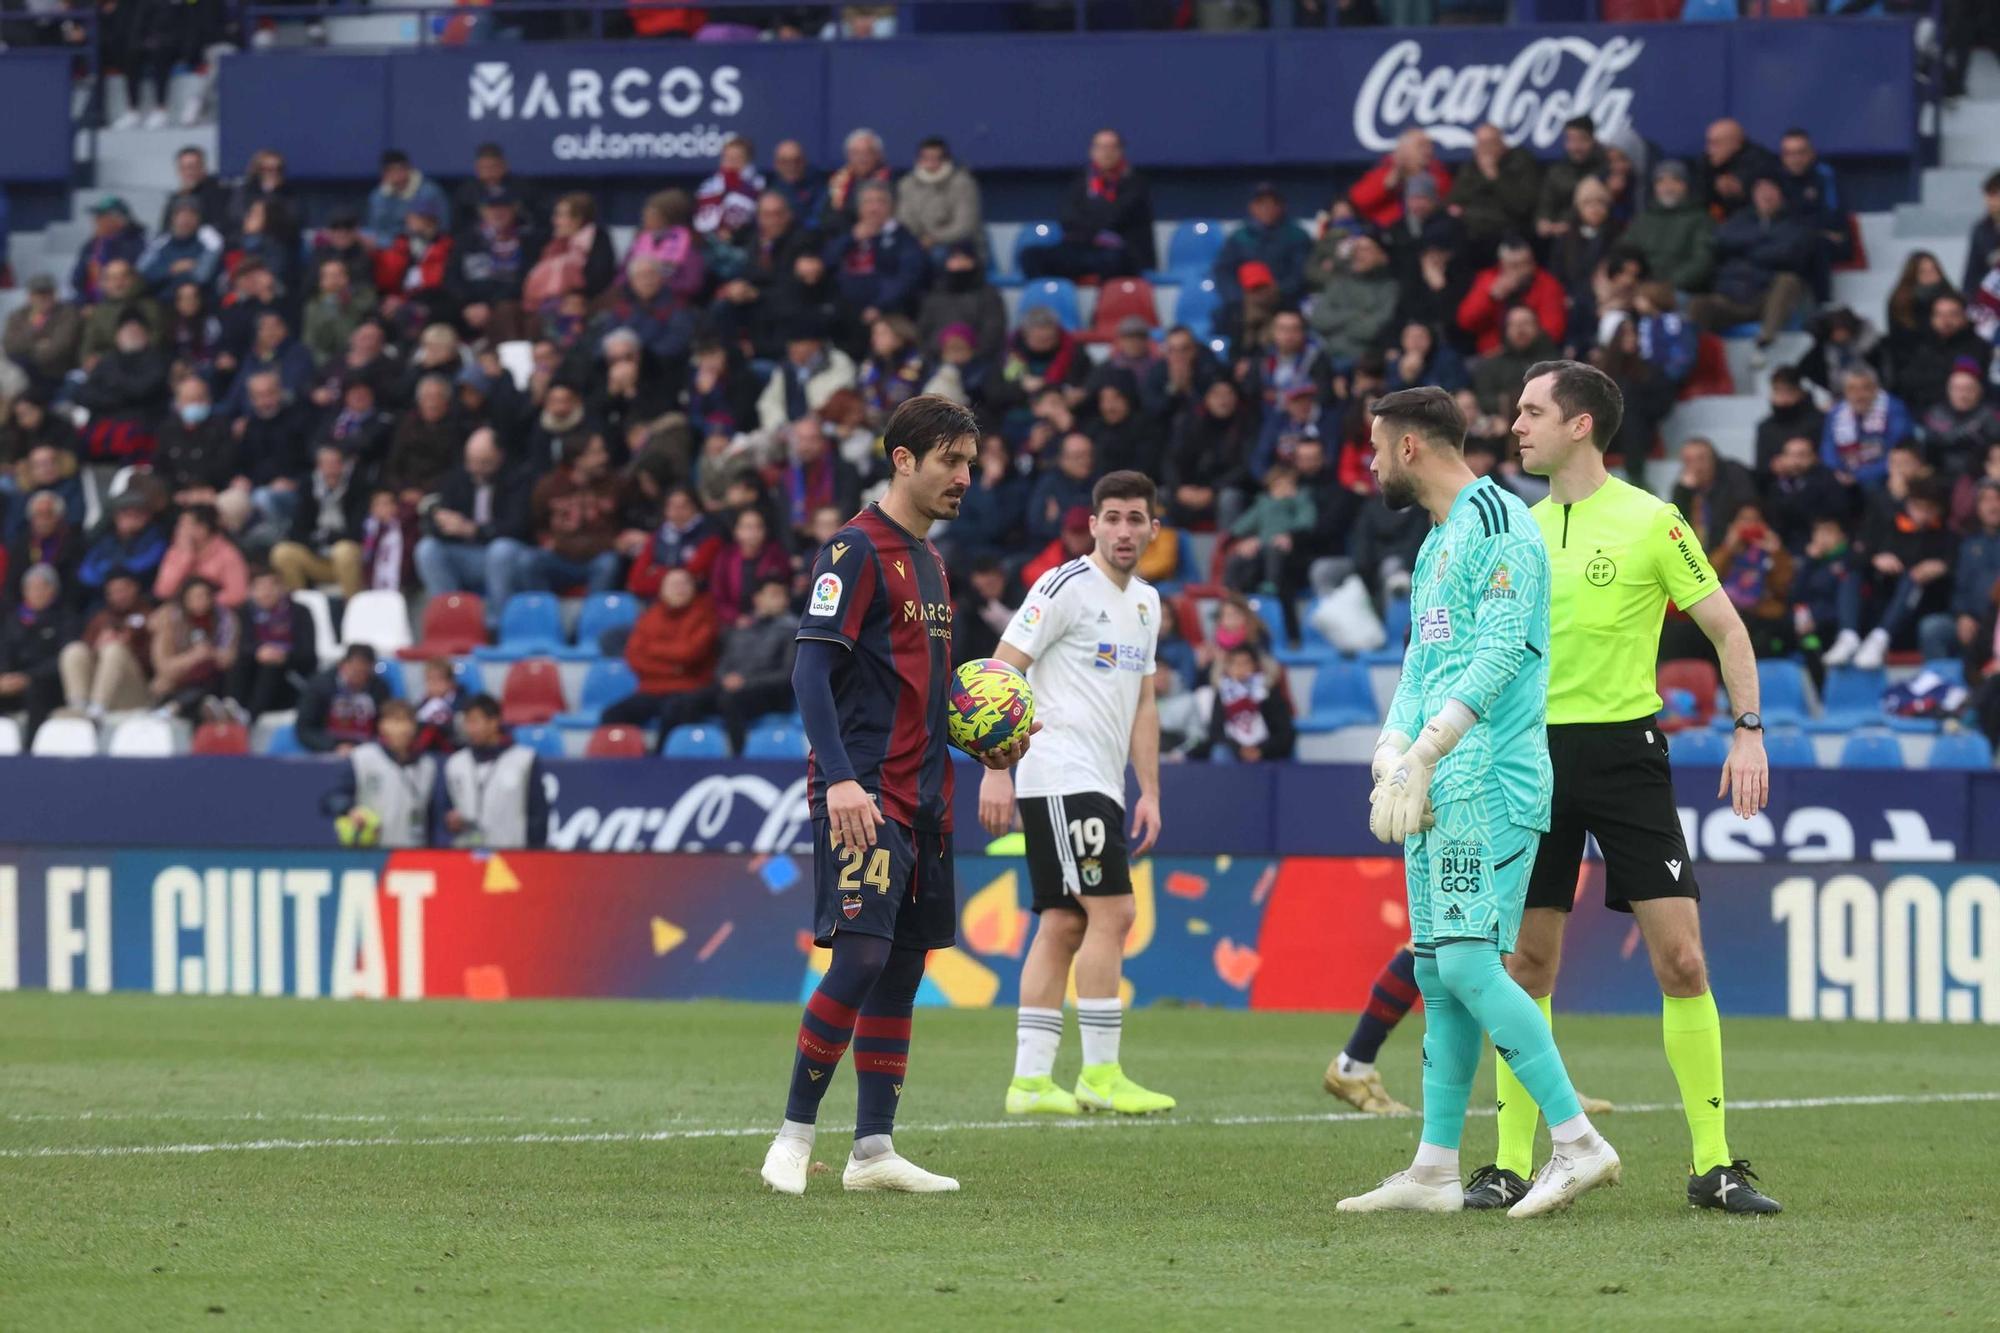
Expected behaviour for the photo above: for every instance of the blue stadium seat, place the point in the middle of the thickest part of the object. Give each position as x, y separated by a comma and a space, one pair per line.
1197, 305
1313, 648
1871, 749
775, 740
607, 681
1951, 668
1057, 294
1396, 624
1962, 750
470, 680
1708, 11
530, 626
1788, 747
1706, 749
601, 611
1005, 270
1782, 684
1853, 699
1185, 562
1341, 697
284, 742
390, 672
1192, 249
544, 740
697, 742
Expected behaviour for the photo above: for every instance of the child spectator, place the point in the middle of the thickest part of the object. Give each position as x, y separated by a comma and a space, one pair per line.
437, 711
1265, 533
279, 649
1251, 721
1818, 586
1909, 557
338, 708
386, 543
1756, 573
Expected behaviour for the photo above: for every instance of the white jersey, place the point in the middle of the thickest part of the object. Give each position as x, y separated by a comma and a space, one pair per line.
1090, 645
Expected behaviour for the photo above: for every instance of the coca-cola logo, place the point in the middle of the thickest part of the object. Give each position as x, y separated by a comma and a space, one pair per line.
1550, 80
736, 812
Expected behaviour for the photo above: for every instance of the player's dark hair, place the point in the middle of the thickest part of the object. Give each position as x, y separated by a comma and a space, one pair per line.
1427, 412
482, 703
1124, 486
1578, 388
927, 422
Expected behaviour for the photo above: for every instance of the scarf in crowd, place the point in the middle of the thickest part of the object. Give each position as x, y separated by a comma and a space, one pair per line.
382, 548
271, 626
673, 547
808, 487
332, 501
1858, 438
1104, 184
1242, 705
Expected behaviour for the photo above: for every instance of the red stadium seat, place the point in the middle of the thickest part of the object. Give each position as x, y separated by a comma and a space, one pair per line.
533, 693
1711, 377
454, 625
1120, 299
221, 738
616, 742
1639, 11
1698, 678
1857, 250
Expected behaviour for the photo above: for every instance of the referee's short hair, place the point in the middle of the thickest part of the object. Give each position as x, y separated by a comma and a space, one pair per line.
1427, 412
1125, 486
1579, 388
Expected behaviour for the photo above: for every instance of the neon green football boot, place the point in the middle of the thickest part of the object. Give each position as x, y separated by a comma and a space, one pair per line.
1105, 1088
1039, 1096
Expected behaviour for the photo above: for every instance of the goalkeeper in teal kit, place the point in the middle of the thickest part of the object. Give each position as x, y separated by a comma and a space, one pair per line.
1468, 799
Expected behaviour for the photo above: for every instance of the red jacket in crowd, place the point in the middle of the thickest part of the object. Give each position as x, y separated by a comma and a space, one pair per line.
1481, 316
672, 651
1382, 203
392, 267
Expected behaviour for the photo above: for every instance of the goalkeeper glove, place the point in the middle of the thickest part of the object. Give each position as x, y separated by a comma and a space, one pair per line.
1402, 807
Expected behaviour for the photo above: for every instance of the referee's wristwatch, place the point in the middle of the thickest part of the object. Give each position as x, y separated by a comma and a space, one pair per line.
1749, 722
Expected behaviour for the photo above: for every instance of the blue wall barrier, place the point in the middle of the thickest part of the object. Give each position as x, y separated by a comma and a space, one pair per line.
1031, 102
35, 104
687, 805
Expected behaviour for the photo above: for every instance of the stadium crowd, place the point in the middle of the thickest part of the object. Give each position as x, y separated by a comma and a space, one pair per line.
689, 413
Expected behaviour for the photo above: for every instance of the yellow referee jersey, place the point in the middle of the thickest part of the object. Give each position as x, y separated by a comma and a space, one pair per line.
1615, 560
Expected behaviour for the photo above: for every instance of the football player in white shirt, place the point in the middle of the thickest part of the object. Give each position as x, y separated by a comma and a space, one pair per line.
1085, 636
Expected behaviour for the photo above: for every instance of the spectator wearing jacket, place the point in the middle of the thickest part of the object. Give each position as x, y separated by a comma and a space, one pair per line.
126, 394
194, 183
769, 252
1793, 413
335, 311
642, 302
339, 707
132, 544
576, 512
1378, 196
185, 250
479, 525
686, 539
492, 178
836, 203
1813, 196
667, 239
1711, 490
1959, 432
1495, 191
197, 454
577, 258
48, 537
878, 265
1353, 302
341, 239
1300, 416
122, 295
1800, 491
412, 271
672, 649
1517, 280
1863, 427
1419, 358
937, 202
811, 373
1949, 345
1061, 488
427, 442
1289, 358
754, 555
277, 352
795, 181
278, 650
195, 643
401, 190
199, 550
1908, 552
1763, 257
1666, 340
1675, 234
273, 455
44, 335
961, 295
995, 506
754, 674
1209, 463
1107, 221
1269, 238
325, 540
365, 433
1582, 158
726, 202
107, 667
1731, 166
1975, 589
114, 237
1982, 250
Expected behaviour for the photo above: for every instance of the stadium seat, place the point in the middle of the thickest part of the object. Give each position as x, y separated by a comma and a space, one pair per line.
1192, 249
143, 738
1788, 747
608, 680
533, 692
379, 618
470, 680
10, 736
1058, 294
1395, 624
454, 624
601, 612
221, 738
775, 740
1698, 678
391, 675
1853, 699
1199, 300
325, 641
284, 743
544, 741
1120, 299
1711, 375
530, 626
1871, 749
1782, 684
616, 742
1006, 269
1961, 750
1341, 697
1705, 748
67, 737
696, 742
1708, 11
1951, 668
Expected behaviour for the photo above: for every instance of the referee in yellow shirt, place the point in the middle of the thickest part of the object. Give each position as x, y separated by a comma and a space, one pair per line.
1617, 555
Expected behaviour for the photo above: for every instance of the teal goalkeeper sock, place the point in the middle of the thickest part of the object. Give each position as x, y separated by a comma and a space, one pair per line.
1451, 1056
1471, 970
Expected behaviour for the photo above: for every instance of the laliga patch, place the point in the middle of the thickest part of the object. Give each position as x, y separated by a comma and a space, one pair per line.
1434, 625
826, 596
1032, 616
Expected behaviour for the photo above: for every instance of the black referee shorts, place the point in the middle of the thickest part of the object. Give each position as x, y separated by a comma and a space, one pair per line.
1613, 782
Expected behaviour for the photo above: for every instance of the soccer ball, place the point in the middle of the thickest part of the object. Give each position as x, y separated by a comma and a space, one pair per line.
359, 827
990, 705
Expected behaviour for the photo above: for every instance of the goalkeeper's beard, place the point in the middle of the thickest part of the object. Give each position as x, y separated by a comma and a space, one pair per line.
1399, 493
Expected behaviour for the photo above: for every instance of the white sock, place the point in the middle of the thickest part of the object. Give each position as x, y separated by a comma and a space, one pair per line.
1434, 1165
1037, 1037
872, 1146
798, 1129
1575, 1128
1352, 1068
1100, 1021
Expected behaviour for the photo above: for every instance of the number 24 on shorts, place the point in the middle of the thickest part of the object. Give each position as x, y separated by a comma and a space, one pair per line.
853, 876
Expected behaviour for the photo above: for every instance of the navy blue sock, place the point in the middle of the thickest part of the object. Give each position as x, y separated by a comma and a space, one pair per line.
1393, 994
882, 1042
828, 1023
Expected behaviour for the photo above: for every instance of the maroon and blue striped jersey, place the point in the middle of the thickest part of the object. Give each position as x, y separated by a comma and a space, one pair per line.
882, 593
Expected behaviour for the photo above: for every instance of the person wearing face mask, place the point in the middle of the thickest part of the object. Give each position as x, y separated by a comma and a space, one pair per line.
961, 295
197, 455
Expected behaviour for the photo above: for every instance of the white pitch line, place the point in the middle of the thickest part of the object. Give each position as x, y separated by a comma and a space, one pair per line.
945, 1127
281, 1117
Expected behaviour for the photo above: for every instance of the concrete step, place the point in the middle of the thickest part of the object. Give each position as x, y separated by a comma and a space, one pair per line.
144, 159
1948, 188
1969, 148
1983, 77
1867, 294
1729, 423
1920, 222
1786, 351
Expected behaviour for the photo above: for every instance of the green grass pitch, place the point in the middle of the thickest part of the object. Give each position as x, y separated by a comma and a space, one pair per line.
540, 1166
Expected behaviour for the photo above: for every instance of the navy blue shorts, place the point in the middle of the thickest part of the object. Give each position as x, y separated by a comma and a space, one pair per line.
901, 889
